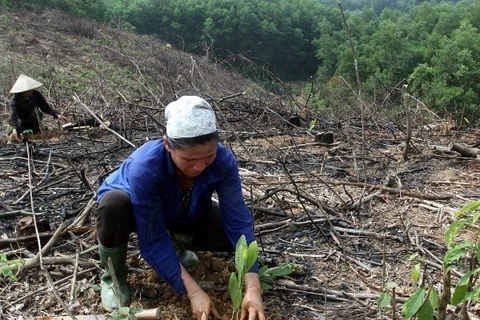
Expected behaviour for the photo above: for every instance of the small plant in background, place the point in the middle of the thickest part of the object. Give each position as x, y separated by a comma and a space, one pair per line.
424, 301
463, 255
312, 124
387, 295
6, 267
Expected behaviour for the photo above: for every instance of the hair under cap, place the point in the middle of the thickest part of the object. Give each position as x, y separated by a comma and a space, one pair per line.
189, 117
25, 83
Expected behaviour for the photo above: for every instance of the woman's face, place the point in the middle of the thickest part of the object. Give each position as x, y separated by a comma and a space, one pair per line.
192, 160
27, 94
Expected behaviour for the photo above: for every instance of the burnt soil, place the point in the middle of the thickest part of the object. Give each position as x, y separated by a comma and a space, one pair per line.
346, 216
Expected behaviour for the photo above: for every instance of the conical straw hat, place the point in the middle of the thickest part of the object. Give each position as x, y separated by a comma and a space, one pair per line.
25, 83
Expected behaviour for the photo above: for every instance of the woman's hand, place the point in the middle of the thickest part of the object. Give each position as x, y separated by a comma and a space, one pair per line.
252, 304
202, 305
14, 135
63, 119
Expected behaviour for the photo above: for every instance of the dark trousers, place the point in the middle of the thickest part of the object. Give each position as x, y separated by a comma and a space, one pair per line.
115, 222
31, 123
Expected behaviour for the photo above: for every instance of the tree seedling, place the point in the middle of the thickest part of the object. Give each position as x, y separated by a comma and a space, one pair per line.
245, 258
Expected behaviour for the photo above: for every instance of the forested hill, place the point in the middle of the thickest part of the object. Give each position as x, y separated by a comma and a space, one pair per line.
432, 47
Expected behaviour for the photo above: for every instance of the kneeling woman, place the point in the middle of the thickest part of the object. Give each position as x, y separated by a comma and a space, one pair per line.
164, 189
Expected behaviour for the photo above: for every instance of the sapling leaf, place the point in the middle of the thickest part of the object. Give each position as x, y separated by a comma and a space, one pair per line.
475, 217
459, 295
235, 291
426, 311
413, 304
457, 252
464, 279
241, 246
469, 207
252, 254
416, 273
279, 271
453, 229
384, 299
433, 298
412, 256
262, 271
390, 285
265, 285
476, 293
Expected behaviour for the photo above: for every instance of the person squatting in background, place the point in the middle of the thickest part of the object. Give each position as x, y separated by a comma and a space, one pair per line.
163, 191
26, 106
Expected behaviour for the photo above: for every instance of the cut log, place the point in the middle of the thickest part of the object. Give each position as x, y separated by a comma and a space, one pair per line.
324, 137
464, 150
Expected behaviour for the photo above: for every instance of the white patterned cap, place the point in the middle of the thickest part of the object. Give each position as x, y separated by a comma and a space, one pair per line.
25, 83
189, 117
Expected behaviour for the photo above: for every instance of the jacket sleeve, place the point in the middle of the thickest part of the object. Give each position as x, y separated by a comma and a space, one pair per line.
155, 244
44, 106
235, 214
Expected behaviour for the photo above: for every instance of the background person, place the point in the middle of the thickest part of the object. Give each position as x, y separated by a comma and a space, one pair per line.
164, 190
26, 106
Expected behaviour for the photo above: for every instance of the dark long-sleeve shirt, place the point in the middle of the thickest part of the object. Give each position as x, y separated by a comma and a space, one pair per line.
148, 175
25, 109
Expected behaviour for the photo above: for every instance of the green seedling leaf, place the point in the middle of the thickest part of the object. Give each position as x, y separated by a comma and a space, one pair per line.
279, 271
241, 246
426, 311
252, 255
453, 230
262, 271
469, 207
416, 273
412, 257
464, 280
476, 293
384, 300
433, 298
458, 251
475, 217
265, 285
459, 295
413, 304
235, 291
390, 285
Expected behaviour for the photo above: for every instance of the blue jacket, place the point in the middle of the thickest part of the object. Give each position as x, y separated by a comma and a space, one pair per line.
148, 175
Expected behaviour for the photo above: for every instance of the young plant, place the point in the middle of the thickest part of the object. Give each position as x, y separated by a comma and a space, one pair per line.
464, 254
245, 257
387, 295
424, 301
6, 267
267, 275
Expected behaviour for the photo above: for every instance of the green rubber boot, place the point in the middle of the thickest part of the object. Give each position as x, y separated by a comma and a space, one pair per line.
188, 258
118, 256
